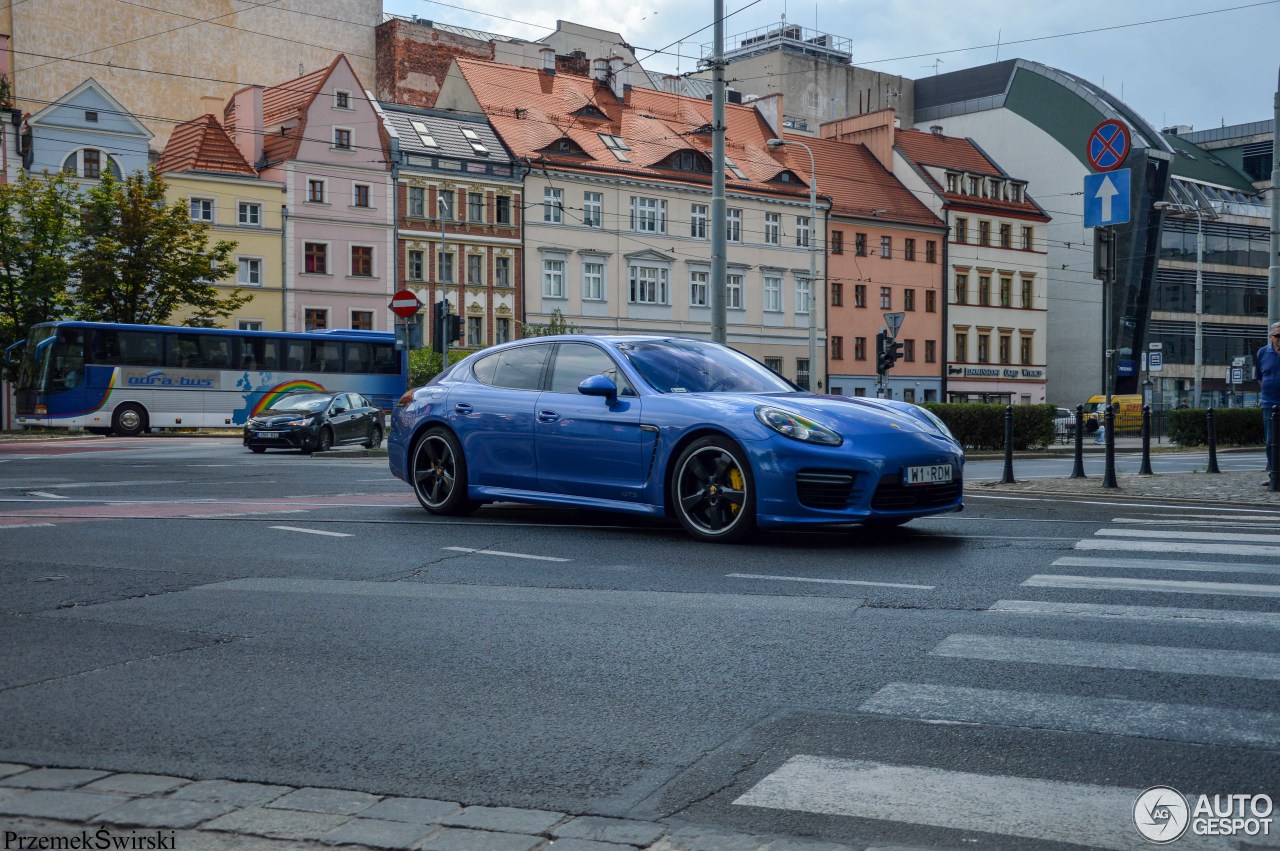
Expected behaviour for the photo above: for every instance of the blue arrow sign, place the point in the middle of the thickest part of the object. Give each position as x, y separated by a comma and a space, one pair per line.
1106, 198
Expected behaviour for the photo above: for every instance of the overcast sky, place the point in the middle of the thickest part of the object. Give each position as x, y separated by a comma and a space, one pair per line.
1197, 62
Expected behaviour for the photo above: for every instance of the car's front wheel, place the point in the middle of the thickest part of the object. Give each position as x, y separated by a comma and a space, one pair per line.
712, 491
375, 437
439, 474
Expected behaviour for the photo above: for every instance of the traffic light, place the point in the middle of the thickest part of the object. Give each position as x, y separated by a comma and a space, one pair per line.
439, 315
888, 351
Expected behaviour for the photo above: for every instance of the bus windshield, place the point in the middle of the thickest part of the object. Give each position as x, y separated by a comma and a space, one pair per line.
35, 356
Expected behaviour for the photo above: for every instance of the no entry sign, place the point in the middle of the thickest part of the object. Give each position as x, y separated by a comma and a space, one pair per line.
405, 304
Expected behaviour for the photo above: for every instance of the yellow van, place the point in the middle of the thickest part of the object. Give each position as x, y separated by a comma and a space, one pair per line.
1128, 413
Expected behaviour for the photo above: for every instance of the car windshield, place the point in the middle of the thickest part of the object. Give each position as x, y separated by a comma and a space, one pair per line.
690, 366
301, 402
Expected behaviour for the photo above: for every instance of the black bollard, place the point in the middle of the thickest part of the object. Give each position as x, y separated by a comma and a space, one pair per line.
1077, 472
1273, 450
1109, 474
1008, 446
1145, 469
1213, 442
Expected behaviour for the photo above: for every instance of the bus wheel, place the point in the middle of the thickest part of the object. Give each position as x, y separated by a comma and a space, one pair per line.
129, 420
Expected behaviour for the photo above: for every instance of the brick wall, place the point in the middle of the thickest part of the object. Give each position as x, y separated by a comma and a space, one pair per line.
413, 58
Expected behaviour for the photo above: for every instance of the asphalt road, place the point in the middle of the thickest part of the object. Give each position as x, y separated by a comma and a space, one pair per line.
1007, 677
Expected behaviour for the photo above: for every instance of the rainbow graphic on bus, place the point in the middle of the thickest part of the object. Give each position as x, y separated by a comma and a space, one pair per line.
273, 395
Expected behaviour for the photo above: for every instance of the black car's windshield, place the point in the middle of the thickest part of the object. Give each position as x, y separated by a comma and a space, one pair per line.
301, 402
691, 366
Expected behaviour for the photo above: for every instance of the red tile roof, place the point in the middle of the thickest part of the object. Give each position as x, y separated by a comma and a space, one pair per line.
202, 145
951, 152
284, 104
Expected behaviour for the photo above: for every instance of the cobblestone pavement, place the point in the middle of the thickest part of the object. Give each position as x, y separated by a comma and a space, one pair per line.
1221, 488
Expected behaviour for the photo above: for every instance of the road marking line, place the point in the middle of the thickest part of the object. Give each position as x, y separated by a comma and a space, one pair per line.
1162, 546
505, 554
1172, 614
1210, 725
1168, 586
46, 495
1184, 536
1157, 564
1207, 520
1041, 810
1127, 506
828, 581
1245, 664
25, 525
312, 531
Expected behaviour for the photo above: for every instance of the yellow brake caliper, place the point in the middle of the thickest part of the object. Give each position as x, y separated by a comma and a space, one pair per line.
735, 481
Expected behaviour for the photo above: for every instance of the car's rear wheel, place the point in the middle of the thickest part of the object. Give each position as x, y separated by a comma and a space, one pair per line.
712, 491
439, 474
325, 441
375, 437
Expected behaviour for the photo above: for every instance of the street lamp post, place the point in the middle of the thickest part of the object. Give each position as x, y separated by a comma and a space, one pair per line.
444, 289
813, 260
1198, 369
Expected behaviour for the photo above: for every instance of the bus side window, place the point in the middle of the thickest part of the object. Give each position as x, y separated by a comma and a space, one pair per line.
358, 359
215, 351
386, 360
299, 355
270, 360
106, 347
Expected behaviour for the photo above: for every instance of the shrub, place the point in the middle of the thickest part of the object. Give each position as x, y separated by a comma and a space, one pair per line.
1231, 426
425, 364
979, 426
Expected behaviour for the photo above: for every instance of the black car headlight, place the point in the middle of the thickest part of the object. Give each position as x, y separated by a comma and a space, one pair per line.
303, 421
796, 427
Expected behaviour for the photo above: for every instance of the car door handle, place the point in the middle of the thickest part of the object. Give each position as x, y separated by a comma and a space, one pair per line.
462, 408
547, 416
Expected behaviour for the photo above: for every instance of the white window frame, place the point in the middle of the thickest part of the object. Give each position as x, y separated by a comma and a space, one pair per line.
804, 295
593, 209
500, 262
733, 224
472, 207
648, 284
699, 288
648, 215
323, 183
249, 324
733, 286
699, 215
197, 199
351, 138
552, 205
479, 265
338, 95
421, 208
773, 293
594, 271
373, 260
802, 231
241, 278
772, 228
368, 194
242, 207
553, 272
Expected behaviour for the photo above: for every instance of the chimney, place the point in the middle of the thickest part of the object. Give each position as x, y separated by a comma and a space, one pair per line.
548, 60
210, 105
248, 103
936, 129
618, 76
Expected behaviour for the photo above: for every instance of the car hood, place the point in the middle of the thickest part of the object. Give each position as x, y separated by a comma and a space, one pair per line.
849, 416
270, 417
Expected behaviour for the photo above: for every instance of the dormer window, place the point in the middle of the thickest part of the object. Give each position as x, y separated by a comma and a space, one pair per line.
564, 146
591, 111
975, 185
424, 134
690, 161
953, 182
733, 167
473, 138
617, 146
996, 189
1015, 193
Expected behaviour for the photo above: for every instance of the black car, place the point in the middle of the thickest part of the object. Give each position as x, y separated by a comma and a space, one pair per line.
314, 422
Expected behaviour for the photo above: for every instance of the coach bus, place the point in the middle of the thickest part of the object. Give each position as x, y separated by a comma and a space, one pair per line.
128, 379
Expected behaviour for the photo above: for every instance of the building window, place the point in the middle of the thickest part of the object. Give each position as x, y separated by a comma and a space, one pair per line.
360, 195
802, 372
315, 258
837, 294
860, 244
886, 298
774, 364
698, 221
593, 209
250, 274
315, 191
909, 351
930, 351
975, 185
886, 246
962, 230
1024, 350
1006, 236
1015, 193
552, 278
909, 249
475, 332
1028, 235
648, 285
416, 267
733, 225
837, 348
475, 207
773, 229
1006, 348
804, 289
648, 215
962, 289
1006, 292
502, 330
362, 261
984, 290
953, 182
202, 209
92, 163
984, 233
593, 281
315, 318
930, 301
248, 324
802, 231
984, 348
249, 215
733, 292
931, 252
552, 205
698, 289
341, 99
444, 203
502, 209
502, 271
444, 260
342, 138
772, 293
961, 354
362, 320
475, 268
859, 295
1028, 292
859, 348
417, 202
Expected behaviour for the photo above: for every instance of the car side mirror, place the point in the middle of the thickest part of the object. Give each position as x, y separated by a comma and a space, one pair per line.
337, 411
599, 385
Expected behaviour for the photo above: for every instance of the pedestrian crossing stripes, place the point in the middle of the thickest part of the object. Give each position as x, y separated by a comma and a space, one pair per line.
1164, 546
1111, 583
1161, 564
1170, 614
1183, 536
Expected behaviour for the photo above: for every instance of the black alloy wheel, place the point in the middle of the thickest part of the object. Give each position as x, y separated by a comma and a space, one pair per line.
439, 474
325, 441
712, 491
375, 437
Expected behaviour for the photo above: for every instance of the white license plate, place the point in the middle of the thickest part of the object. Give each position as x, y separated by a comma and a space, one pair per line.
267, 434
933, 474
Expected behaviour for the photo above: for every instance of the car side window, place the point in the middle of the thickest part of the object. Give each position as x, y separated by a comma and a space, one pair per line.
520, 368
340, 401
485, 368
577, 361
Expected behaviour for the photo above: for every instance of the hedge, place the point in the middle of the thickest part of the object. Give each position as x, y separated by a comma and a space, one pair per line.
1231, 426
981, 426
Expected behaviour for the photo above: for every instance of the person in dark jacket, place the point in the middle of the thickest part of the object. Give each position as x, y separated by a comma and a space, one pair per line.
1266, 369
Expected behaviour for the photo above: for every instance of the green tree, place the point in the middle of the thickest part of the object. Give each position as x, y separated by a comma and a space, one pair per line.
39, 232
142, 260
557, 324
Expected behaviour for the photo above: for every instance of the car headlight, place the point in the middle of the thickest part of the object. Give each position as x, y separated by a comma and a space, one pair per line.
796, 427
304, 421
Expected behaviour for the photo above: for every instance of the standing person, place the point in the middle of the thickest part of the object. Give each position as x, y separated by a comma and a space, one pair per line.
1266, 369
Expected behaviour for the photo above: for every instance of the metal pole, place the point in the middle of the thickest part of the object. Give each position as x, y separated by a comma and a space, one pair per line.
1199, 358
1008, 446
1145, 469
1213, 441
1077, 472
1109, 473
813, 271
1273, 451
1273, 271
719, 210
444, 290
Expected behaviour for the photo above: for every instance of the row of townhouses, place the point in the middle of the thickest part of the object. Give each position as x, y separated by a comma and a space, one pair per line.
526, 181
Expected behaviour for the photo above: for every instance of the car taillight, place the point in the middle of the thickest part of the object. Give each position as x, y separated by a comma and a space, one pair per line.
405, 399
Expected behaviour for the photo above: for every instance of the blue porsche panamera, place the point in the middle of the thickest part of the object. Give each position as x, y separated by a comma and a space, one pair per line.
666, 426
